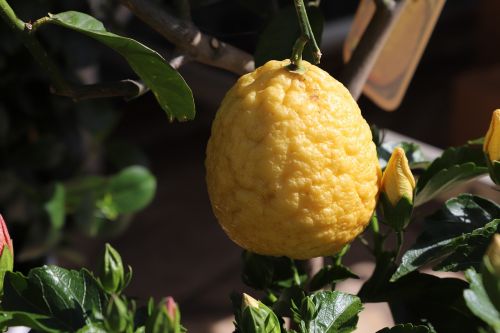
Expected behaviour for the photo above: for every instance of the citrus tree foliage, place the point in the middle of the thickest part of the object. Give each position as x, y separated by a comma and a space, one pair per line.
41, 170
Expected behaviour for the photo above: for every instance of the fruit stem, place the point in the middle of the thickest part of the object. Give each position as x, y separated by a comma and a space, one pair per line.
307, 35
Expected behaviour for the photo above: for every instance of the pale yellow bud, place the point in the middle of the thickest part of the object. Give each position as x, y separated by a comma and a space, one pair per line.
249, 301
493, 254
492, 139
397, 180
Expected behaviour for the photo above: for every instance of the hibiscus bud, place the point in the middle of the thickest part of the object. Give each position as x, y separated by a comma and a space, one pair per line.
256, 317
493, 254
165, 318
492, 139
112, 274
397, 180
249, 301
118, 317
6, 252
171, 307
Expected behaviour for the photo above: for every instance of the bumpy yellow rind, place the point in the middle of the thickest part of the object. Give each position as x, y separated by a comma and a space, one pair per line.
291, 166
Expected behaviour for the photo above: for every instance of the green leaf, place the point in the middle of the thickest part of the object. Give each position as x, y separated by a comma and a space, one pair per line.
414, 154
478, 301
54, 297
331, 274
132, 189
168, 86
405, 328
456, 236
32, 320
336, 312
456, 166
277, 39
55, 206
418, 296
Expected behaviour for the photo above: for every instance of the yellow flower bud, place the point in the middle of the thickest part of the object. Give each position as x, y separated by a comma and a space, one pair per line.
397, 180
493, 253
492, 139
249, 301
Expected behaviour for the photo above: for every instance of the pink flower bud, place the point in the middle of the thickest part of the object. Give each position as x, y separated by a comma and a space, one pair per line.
5, 237
171, 307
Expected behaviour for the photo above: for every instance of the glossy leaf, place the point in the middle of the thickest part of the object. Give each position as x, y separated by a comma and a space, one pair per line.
418, 296
55, 206
478, 301
336, 312
455, 237
455, 166
168, 86
277, 39
51, 296
405, 328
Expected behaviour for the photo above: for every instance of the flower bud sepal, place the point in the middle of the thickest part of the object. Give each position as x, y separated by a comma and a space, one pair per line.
164, 318
396, 216
113, 277
256, 317
118, 317
6, 252
490, 271
494, 169
6, 265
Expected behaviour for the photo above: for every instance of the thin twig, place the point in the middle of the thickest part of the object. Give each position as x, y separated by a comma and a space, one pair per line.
190, 40
126, 88
129, 89
365, 55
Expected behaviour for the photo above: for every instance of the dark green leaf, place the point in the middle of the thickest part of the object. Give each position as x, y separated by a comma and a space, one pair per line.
456, 236
168, 86
277, 39
331, 274
266, 272
412, 151
478, 301
132, 189
71, 299
418, 296
55, 206
405, 328
336, 312
454, 167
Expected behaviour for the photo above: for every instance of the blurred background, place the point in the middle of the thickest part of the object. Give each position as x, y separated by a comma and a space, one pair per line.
175, 245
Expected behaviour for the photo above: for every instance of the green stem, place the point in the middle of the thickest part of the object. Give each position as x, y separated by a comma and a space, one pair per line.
33, 45
377, 238
307, 35
296, 276
10, 17
400, 239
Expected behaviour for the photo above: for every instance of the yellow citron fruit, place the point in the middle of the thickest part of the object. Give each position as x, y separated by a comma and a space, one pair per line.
291, 166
